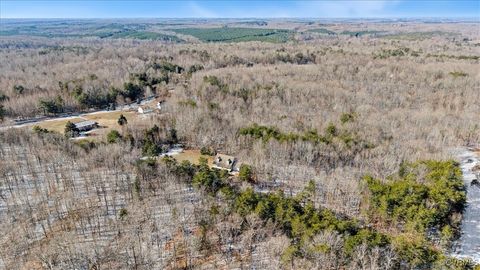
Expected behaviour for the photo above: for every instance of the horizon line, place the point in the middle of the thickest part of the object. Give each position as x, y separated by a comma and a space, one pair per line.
243, 18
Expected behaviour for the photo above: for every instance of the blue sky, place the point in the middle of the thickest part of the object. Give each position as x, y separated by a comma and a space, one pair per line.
238, 9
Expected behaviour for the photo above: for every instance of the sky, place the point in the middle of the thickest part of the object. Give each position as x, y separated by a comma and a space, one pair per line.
239, 9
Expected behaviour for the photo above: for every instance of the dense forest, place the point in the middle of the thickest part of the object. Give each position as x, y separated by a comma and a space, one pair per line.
344, 132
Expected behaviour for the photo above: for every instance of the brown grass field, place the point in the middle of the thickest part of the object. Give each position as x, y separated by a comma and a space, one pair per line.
192, 156
106, 120
58, 125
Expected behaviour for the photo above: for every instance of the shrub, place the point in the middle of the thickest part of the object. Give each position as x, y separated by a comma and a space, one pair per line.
51, 105
150, 149
39, 130
18, 89
188, 103
302, 59
415, 251
143, 79
86, 145
208, 179
167, 67
122, 213
347, 117
129, 138
207, 151
186, 169
172, 136
2, 112
3, 97
215, 81
113, 136
132, 91
331, 130
95, 99
457, 74
194, 68
266, 133
71, 130
246, 202
245, 173
122, 120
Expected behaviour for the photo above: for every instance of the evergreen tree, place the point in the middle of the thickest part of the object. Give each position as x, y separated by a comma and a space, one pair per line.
122, 120
245, 173
2, 112
71, 130
113, 136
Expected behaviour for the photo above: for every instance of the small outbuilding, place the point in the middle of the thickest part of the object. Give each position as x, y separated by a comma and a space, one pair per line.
225, 162
142, 110
160, 102
86, 125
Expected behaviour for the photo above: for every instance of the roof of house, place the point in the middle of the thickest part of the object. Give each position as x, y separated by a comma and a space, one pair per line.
144, 109
224, 161
85, 124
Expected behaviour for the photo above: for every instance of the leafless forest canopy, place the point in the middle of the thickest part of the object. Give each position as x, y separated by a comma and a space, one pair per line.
330, 104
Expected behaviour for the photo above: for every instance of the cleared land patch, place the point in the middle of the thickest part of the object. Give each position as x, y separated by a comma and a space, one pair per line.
193, 156
237, 34
109, 119
106, 120
362, 33
419, 35
322, 31
104, 31
144, 35
58, 125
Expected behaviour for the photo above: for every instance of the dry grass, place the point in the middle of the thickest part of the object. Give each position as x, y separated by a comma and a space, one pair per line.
193, 156
109, 119
58, 125
106, 120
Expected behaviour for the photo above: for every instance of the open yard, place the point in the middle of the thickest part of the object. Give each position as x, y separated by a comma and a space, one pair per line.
109, 119
193, 156
106, 120
58, 125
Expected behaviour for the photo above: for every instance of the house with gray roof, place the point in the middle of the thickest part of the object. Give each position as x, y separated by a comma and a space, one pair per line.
225, 162
86, 125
